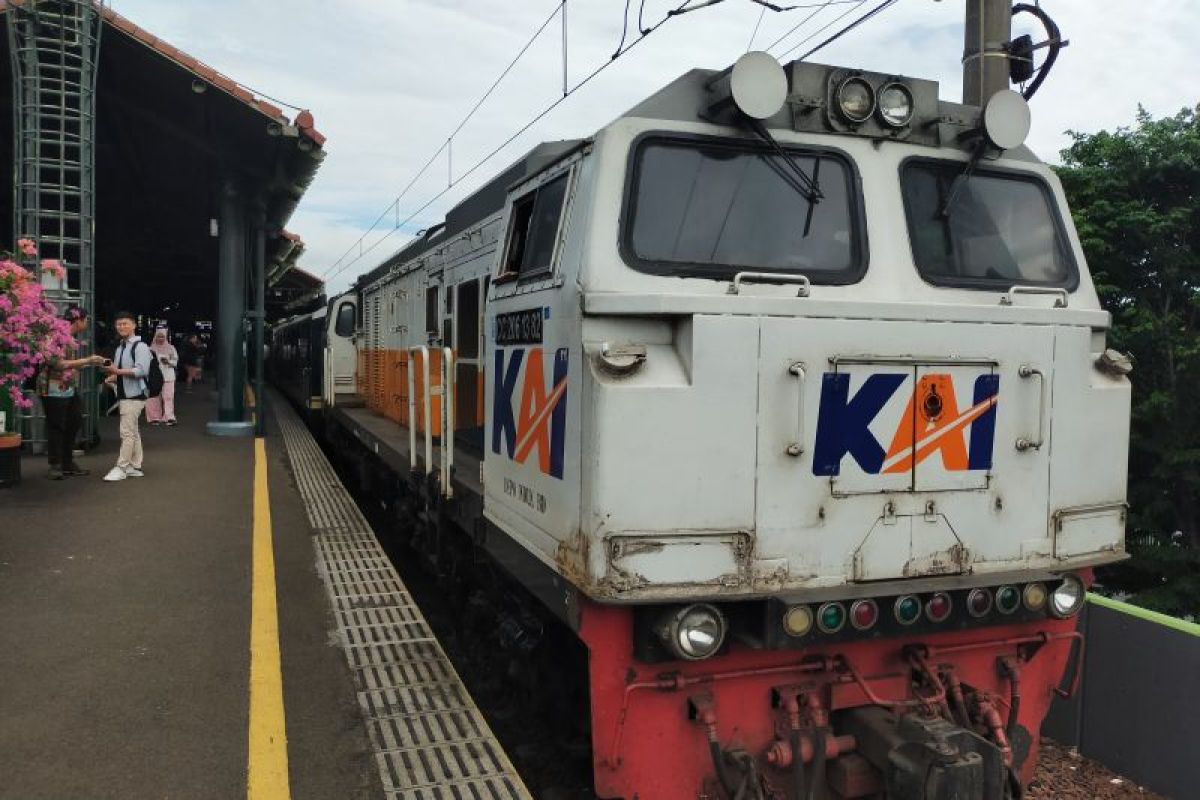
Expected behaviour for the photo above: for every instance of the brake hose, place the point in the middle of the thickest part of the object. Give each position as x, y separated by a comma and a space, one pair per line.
816, 786
797, 766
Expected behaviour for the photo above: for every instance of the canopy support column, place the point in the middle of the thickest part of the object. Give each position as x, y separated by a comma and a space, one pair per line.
232, 248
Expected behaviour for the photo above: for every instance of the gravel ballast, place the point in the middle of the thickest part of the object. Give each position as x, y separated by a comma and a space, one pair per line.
1063, 774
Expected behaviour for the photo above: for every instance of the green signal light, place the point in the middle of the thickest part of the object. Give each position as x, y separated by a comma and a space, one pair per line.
908, 610
831, 617
1007, 599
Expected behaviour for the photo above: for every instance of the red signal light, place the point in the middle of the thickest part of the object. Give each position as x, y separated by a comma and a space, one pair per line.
979, 602
937, 607
864, 614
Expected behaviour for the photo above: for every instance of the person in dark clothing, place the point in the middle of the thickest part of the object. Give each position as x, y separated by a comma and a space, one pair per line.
191, 357
61, 403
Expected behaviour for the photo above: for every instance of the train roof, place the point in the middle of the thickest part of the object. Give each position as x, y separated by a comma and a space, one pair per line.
486, 200
689, 98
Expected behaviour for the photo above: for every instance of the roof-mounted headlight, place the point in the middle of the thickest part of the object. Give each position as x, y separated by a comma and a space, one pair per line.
895, 105
855, 99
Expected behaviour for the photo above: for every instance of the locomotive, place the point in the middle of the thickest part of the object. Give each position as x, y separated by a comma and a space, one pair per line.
787, 396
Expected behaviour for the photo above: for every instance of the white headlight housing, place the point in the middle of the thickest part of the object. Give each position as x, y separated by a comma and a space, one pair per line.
856, 99
694, 632
1068, 597
895, 105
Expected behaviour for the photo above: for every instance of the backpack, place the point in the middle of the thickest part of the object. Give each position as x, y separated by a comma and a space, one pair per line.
154, 378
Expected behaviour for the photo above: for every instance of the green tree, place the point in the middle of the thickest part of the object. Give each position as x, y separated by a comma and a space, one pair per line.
1135, 198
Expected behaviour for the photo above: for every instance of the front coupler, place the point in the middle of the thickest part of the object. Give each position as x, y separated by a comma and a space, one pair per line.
926, 758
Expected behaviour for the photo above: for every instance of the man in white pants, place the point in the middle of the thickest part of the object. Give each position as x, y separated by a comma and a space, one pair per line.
128, 371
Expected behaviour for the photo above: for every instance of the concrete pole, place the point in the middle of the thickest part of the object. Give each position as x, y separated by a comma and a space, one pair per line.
985, 57
260, 320
231, 304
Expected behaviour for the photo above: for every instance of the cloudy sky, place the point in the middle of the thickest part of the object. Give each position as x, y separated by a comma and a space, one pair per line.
389, 81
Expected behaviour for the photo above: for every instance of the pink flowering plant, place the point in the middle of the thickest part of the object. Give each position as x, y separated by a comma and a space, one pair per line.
31, 332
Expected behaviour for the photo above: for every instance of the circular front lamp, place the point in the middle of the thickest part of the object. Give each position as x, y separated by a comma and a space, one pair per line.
979, 602
855, 100
831, 617
1067, 598
938, 607
798, 621
1008, 599
1034, 596
895, 105
907, 609
864, 614
695, 632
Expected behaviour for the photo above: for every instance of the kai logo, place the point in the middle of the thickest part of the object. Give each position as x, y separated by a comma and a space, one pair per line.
529, 416
932, 422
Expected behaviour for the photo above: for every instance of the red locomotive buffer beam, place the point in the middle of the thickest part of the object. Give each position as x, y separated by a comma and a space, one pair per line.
656, 727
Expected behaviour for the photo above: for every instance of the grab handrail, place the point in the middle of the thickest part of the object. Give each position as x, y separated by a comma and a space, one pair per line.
448, 396
423, 351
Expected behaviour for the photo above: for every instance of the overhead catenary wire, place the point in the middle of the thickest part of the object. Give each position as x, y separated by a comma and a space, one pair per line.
395, 204
857, 5
339, 267
845, 30
761, 13
817, 9
876, 10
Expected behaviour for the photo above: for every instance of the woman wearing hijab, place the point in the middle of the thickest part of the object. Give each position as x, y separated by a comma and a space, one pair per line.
161, 410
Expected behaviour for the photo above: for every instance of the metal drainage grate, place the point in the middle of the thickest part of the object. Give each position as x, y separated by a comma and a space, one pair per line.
431, 742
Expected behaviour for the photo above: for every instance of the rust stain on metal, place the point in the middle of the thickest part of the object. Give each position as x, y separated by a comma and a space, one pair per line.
942, 562
571, 558
633, 547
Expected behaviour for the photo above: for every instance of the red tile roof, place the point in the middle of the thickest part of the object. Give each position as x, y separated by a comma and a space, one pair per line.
304, 120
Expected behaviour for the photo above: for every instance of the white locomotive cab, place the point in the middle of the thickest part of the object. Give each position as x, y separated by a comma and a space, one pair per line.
724, 384
340, 356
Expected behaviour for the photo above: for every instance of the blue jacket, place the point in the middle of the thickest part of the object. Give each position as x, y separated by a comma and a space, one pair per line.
135, 353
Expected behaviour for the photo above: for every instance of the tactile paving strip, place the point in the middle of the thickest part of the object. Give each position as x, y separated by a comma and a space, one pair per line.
431, 742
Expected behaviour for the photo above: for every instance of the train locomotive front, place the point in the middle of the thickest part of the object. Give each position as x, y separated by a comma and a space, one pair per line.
797, 405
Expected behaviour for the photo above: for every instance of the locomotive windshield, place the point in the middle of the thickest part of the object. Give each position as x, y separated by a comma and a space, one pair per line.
1000, 230
712, 207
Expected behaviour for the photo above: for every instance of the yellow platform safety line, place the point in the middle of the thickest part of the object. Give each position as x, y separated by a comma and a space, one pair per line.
267, 767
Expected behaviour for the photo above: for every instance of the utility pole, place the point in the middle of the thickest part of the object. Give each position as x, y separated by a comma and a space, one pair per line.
985, 49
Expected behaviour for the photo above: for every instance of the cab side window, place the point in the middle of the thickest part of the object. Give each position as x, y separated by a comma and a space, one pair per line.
533, 230
344, 324
432, 309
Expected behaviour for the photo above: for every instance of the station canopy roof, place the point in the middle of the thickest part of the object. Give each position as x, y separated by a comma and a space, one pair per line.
169, 130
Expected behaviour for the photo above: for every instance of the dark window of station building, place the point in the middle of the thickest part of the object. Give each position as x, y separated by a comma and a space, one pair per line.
998, 230
703, 207
533, 230
344, 324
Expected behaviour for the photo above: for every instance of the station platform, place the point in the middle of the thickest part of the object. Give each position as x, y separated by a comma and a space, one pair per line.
226, 626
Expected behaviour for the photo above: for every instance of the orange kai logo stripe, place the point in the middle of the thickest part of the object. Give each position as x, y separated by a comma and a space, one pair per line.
903, 459
538, 424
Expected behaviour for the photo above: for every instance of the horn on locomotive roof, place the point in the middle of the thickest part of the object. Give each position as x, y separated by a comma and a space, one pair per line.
756, 85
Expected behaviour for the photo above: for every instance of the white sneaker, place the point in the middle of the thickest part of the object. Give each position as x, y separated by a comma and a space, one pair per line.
134, 472
116, 474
